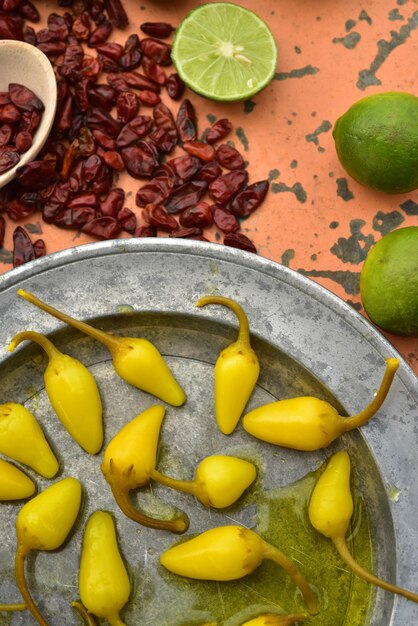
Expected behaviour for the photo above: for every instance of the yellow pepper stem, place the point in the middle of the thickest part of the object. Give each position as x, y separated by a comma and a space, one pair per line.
346, 556
31, 335
21, 553
188, 486
244, 329
361, 418
4, 608
178, 525
88, 617
276, 555
108, 340
115, 620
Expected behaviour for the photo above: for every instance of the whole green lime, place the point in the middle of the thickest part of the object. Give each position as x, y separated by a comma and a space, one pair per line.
377, 141
389, 282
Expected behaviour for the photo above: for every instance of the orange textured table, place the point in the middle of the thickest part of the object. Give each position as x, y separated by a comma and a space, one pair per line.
315, 219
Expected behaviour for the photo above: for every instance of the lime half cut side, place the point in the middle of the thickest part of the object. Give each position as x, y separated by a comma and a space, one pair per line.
224, 52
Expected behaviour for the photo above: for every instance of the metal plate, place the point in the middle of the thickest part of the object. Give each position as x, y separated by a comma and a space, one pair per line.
309, 342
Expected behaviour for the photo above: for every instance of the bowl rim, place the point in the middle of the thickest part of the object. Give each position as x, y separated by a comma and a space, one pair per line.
50, 105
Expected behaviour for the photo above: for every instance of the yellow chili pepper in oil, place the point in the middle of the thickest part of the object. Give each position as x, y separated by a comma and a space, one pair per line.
72, 391
330, 511
308, 423
236, 370
103, 579
136, 360
44, 523
229, 553
219, 480
128, 461
14, 484
22, 439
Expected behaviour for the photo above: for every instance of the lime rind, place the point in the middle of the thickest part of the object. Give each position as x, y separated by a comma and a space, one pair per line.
224, 52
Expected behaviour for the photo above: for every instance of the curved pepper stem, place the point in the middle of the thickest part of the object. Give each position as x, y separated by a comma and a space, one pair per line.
178, 525
276, 555
355, 421
21, 554
346, 556
244, 328
6, 608
31, 335
188, 486
88, 617
105, 338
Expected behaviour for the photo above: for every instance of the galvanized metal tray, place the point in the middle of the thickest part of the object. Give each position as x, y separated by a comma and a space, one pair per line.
308, 341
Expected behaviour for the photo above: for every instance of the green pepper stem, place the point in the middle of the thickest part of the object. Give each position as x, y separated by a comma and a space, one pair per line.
361, 418
4, 608
276, 555
21, 553
111, 342
188, 486
178, 525
346, 556
88, 617
244, 329
31, 335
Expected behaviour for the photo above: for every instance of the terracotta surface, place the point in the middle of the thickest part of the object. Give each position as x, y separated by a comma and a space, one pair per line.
316, 219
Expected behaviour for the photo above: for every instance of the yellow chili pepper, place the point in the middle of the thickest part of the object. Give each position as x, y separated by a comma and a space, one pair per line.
228, 553
219, 480
44, 523
236, 370
330, 511
136, 360
14, 484
22, 439
103, 580
128, 461
308, 423
72, 391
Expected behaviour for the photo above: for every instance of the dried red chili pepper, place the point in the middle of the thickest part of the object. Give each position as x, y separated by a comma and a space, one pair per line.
29, 11
102, 96
116, 13
163, 118
224, 219
220, 129
199, 215
134, 130
29, 36
140, 159
186, 233
154, 192
130, 60
17, 210
127, 106
22, 247
74, 218
25, 99
9, 156
154, 71
156, 215
102, 227
139, 81
238, 240
250, 199
175, 86
185, 167
100, 34
39, 248
149, 98
202, 150
112, 204
36, 174
11, 27
185, 196
9, 114
83, 199
229, 157
158, 51
127, 219
209, 171
114, 160
113, 51
186, 122
164, 140
100, 119
160, 30
82, 26
104, 141
225, 187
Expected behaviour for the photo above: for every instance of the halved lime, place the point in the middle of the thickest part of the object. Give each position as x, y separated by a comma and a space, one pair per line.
224, 52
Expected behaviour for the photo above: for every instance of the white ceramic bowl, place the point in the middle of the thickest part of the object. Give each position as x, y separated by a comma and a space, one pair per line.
23, 63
